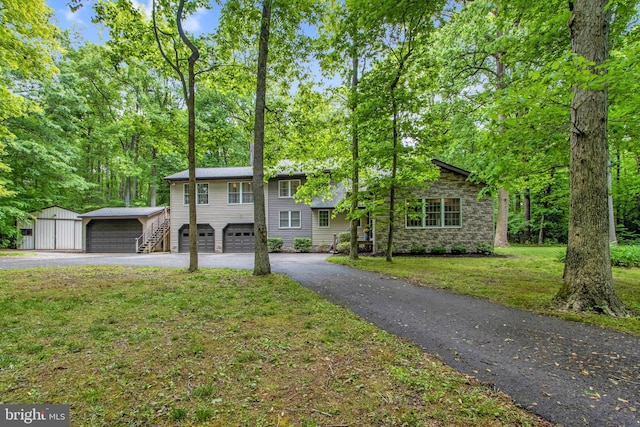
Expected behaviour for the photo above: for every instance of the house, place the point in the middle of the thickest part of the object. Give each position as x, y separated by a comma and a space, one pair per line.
54, 228
448, 214
125, 230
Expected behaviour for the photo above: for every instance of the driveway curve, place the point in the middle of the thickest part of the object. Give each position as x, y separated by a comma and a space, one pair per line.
569, 373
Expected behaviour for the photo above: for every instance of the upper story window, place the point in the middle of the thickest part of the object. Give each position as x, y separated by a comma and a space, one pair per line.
239, 193
434, 213
202, 194
290, 219
287, 188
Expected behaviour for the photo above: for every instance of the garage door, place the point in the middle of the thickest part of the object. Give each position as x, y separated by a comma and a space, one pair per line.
206, 238
113, 235
239, 238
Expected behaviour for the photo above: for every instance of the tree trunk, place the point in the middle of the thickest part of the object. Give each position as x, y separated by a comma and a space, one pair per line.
261, 264
588, 282
527, 215
153, 191
502, 224
392, 190
355, 174
613, 240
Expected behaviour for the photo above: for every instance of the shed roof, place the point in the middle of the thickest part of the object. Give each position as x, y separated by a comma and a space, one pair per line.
123, 212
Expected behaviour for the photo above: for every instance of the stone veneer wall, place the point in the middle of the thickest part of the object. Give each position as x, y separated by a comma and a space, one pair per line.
477, 220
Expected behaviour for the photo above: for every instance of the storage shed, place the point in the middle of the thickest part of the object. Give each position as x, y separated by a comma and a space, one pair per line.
54, 229
116, 229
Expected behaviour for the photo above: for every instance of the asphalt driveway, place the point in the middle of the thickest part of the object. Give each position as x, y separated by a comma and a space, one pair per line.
569, 373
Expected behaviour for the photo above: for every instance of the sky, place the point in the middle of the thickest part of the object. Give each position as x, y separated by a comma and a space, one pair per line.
79, 22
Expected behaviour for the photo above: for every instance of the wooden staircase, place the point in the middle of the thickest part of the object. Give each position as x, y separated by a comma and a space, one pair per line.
153, 237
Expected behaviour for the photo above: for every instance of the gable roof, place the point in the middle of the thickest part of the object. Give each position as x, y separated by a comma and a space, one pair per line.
123, 212
214, 173
451, 168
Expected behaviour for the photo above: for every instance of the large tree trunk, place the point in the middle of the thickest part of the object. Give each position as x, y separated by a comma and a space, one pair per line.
588, 282
501, 239
355, 174
261, 265
153, 190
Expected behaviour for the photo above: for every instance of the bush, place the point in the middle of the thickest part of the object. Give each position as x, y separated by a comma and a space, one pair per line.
302, 244
458, 250
322, 247
418, 250
343, 237
625, 256
274, 244
438, 250
485, 249
344, 248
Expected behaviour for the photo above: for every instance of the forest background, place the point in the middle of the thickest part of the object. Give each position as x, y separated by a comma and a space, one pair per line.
483, 85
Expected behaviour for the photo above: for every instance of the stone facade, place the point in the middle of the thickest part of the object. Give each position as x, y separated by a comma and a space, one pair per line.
476, 219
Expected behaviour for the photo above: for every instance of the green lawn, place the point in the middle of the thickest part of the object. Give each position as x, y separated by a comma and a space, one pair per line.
521, 277
152, 346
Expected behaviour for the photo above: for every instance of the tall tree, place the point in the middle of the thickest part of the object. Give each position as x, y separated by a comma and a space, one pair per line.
261, 260
588, 282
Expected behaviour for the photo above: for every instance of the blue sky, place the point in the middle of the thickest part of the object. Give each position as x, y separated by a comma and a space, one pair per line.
203, 21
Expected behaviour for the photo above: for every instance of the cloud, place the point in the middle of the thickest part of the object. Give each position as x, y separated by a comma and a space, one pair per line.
192, 23
73, 16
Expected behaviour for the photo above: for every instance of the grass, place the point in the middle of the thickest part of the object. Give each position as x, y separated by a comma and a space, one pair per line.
4, 252
523, 277
152, 346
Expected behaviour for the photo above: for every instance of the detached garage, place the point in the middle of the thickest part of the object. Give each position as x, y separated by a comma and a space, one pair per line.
53, 228
116, 229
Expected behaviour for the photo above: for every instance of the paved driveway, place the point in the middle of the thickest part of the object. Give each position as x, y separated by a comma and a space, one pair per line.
569, 373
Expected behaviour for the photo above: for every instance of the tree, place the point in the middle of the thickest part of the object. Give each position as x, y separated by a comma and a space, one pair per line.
588, 282
261, 260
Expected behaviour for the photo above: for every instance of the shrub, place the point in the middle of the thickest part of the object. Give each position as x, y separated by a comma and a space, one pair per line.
418, 250
322, 247
438, 250
302, 244
485, 249
625, 256
458, 250
274, 244
345, 236
344, 248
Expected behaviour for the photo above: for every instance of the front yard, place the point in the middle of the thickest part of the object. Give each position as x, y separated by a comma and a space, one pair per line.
153, 346
521, 277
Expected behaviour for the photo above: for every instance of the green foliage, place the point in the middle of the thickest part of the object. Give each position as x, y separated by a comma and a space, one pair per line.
418, 250
302, 244
274, 244
458, 250
344, 237
344, 248
625, 256
438, 250
485, 249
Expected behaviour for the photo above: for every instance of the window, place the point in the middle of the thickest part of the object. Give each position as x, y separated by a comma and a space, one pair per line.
323, 219
290, 219
240, 192
434, 213
26, 231
202, 194
287, 188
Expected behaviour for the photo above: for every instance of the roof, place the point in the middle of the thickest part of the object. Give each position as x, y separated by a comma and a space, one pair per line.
239, 172
319, 203
213, 173
451, 168
123, 212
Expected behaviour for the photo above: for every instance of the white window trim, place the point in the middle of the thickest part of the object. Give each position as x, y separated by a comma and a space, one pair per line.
289, 188
328, 218
289, 227
185, 193
241, 202
442, 215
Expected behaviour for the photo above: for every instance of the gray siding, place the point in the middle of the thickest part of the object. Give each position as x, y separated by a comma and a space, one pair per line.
277, 204
477, 220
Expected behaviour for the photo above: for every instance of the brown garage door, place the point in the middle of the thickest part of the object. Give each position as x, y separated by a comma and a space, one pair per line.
206, 238
239, 238
113, 235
